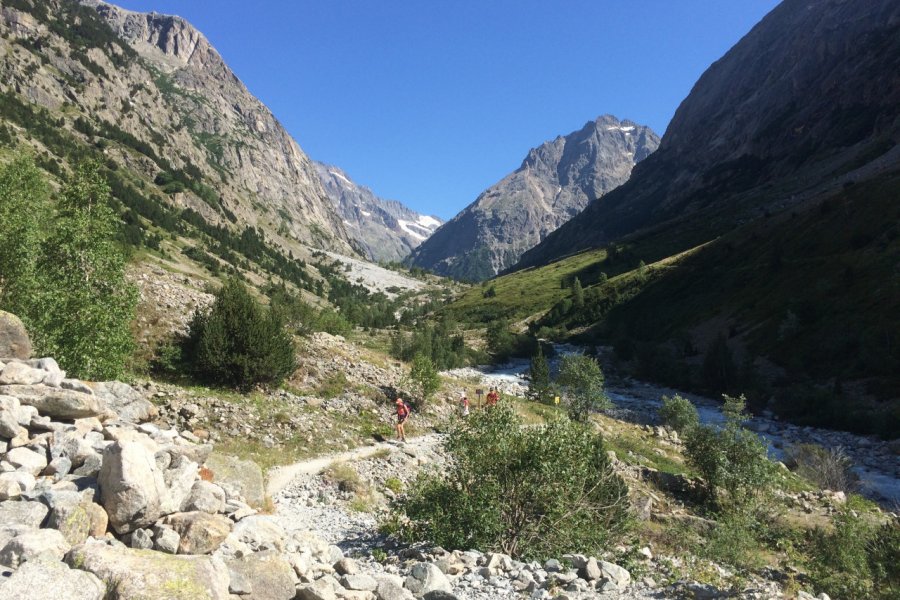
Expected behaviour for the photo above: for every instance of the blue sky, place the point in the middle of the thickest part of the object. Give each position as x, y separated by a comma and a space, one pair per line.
429, 102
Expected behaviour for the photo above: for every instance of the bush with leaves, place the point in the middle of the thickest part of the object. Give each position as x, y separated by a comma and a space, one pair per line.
69, 287
678, 413
23, 202
729, 457
530, 492
424, 377
858, 558
238, 343
582, 379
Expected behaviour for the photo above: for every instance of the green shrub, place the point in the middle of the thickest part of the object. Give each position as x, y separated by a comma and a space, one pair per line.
582, 379
840, 559
238, 343
679, 413
828, 468
729, 457
424, 377
526, 491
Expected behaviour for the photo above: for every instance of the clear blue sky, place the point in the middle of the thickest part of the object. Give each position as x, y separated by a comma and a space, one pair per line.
429, 102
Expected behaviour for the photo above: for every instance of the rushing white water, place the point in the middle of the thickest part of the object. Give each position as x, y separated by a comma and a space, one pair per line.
878, 468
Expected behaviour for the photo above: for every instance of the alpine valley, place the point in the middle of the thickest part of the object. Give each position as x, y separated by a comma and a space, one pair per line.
634, 368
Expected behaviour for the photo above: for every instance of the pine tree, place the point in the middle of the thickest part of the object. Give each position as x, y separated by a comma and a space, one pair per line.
238, 343
577, 295
85, 306
540, 388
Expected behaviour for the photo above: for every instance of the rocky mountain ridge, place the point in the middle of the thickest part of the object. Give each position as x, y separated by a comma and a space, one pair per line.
161, 104
779, 118
386, 229
554, 183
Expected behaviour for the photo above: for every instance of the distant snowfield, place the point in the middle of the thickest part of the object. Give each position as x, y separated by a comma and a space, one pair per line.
429, 222
405, 226
375, 278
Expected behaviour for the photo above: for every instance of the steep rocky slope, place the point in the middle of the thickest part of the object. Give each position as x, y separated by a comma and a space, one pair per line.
554, 183
386, 229
155, 97
808, 100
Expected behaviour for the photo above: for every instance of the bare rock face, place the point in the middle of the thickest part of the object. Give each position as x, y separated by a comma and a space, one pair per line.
161, 83
555, 182
14, 340
132, 487
807, 101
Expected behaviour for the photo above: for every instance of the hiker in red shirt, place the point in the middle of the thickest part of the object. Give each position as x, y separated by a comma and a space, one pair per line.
402, 416
493, 397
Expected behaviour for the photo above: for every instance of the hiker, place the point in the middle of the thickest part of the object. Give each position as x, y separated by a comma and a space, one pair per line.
464, 401
493, 397
402, 416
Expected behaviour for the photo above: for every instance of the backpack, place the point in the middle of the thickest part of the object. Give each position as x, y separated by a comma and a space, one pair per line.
404, 410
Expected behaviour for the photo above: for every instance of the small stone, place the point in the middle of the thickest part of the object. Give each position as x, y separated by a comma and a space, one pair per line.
166, 539
142, 539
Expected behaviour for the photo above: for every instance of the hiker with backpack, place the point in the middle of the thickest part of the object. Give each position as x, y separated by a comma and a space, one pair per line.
402, 415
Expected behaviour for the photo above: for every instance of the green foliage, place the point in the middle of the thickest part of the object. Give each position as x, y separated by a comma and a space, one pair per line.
68, 285
577, 295
238, 343
85, 306
301, 317
729, 457
540, 388
857, 559
500, 340
582, 379
438, 341
828, 468
679, 413
23, 199
531, 492
424, 377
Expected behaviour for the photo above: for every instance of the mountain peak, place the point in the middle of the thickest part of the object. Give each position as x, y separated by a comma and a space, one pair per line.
555, 181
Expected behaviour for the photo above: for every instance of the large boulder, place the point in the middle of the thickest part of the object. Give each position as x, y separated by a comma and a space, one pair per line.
179, 480
258, 532
46, 578
27, 460
130, 574
74, 515
267, 575
131, 485
234, 475
426, 577
30, 514
205, 496
14, 340
127, 403
389, 589
201, 533
16, 373
67, 404
31, 544
619, 576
